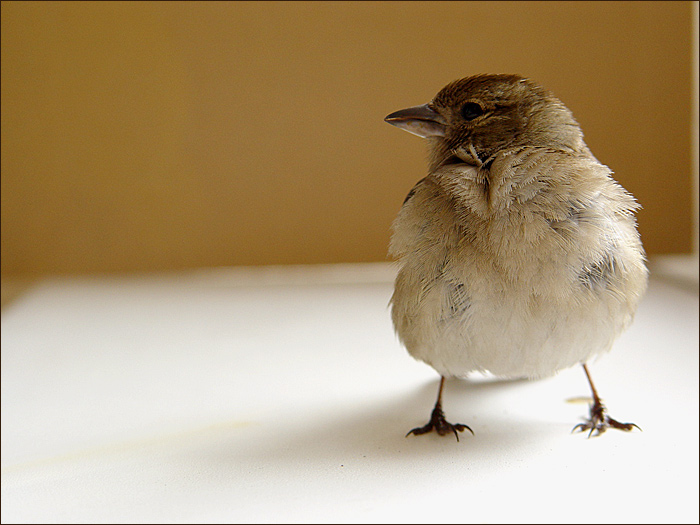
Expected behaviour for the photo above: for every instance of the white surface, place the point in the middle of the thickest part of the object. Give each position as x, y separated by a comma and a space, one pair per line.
283, 395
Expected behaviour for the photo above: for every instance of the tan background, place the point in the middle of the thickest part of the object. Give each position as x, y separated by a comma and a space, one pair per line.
150, 136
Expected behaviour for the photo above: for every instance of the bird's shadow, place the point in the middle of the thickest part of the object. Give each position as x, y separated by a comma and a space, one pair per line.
378, 430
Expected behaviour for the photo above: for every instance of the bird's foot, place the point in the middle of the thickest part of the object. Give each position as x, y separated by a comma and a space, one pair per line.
439, 424
599, 421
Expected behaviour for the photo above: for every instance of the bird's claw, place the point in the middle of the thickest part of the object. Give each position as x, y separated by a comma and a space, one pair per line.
599, 422
439, 424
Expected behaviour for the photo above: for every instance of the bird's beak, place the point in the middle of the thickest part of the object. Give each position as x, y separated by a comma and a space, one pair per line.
419, 120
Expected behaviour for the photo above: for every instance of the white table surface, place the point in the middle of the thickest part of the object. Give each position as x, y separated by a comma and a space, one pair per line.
282, 395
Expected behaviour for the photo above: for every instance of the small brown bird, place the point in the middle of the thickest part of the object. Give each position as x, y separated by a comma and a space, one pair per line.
519, 253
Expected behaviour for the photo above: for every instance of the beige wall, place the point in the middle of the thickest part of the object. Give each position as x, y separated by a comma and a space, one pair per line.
142, 136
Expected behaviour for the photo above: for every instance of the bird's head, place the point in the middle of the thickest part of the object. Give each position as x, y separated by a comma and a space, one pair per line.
473, 119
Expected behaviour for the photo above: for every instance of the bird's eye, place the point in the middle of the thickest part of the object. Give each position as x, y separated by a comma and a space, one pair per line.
471, 110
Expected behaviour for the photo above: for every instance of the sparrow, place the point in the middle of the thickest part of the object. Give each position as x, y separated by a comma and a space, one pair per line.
518, 253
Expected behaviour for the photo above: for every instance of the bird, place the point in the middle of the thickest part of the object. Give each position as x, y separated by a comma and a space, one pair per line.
518, 254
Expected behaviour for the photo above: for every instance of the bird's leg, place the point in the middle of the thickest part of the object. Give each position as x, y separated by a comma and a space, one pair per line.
437, 420
599, 421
